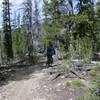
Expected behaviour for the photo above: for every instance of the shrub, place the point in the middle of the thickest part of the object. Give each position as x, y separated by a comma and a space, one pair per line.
92, 73
75, 84
89, 96
95, 73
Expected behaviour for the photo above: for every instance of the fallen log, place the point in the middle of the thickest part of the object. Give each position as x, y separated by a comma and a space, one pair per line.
13, 65
76, 74
58, 75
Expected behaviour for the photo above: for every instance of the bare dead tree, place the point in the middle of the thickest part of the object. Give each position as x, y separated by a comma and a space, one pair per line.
14, 22
28, 25
19, 22
70, 7
36, 23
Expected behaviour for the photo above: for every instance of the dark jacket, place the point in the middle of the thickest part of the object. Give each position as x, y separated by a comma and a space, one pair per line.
50, 50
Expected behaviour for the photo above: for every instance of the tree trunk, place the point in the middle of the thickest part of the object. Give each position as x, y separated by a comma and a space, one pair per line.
7, 30
28, 22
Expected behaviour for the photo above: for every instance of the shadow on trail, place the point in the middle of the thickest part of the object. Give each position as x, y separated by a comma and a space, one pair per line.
22, 72
17, 73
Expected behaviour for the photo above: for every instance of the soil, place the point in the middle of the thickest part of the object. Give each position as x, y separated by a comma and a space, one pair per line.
37, 83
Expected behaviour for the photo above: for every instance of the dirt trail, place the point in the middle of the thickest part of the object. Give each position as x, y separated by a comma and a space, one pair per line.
31, 84
22, 90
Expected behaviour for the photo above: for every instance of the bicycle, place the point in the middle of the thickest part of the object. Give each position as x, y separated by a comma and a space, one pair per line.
49, 61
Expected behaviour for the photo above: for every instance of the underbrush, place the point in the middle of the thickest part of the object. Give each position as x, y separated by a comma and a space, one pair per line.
94, 85
95, 73
89, 96
75, 84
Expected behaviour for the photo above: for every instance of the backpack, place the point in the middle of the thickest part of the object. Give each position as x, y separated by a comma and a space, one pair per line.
53, 51
50, 51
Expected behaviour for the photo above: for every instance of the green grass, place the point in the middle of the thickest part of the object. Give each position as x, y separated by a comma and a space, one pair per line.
97, 68
89, 96
75, 84
92, 86
95, 73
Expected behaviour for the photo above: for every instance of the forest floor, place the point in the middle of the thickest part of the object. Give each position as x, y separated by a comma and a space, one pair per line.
40, 83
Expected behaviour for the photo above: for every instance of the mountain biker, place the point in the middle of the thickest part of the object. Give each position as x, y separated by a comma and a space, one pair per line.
50, 53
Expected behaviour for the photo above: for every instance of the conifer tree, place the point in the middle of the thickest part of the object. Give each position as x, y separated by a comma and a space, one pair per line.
7, 30
0, 49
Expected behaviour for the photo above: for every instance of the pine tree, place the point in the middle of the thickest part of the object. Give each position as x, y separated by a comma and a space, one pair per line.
98, 8
0, 49
7, 30
84, 6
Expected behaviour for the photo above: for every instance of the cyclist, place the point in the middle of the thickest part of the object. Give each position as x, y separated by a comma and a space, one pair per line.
50, 53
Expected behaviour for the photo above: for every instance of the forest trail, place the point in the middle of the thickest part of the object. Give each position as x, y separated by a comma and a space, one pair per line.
36, 83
